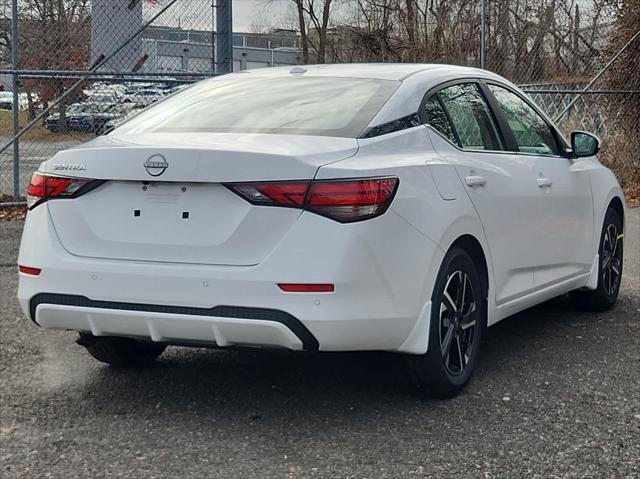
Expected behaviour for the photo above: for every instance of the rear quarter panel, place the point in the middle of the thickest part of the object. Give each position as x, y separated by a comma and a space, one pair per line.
410, 156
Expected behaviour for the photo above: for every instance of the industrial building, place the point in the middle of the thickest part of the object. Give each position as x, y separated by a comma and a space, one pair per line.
170, 49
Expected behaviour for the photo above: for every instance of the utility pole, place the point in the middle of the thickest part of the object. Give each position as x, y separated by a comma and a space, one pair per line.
484, 30
213, 37
224, 37
16, 99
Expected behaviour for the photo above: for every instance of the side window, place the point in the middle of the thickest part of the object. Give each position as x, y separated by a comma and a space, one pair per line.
437, 118
471, 118
533, 134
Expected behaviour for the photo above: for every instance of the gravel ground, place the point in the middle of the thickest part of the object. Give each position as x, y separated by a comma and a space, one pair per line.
557, 394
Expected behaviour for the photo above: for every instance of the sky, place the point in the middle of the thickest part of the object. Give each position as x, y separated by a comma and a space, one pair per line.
247, 12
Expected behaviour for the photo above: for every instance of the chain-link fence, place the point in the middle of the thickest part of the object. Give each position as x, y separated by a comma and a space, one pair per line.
85, 65
580, 62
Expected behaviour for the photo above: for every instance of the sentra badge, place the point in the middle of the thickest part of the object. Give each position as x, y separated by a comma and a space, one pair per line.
69, 167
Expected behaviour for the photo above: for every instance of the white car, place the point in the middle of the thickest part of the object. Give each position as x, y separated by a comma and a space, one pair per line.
322, 208
6, 100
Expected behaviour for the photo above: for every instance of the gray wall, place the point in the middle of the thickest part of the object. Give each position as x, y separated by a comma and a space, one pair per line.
112, 22
167, 57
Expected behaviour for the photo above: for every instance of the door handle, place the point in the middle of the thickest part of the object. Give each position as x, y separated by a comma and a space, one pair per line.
475, 181
544, 182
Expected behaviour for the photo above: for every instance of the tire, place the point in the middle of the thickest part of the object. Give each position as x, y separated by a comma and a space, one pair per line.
610, 251
444, 374
121, 352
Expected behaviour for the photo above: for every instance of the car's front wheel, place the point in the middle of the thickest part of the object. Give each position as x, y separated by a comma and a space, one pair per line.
121, 352
457, 321
610, 253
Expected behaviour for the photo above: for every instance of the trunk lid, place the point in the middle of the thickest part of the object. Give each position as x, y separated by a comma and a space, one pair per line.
164, 199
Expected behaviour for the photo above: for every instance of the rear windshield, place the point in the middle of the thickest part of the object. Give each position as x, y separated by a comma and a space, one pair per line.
291, 105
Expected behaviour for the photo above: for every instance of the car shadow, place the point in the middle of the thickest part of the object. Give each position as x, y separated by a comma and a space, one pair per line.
253, 383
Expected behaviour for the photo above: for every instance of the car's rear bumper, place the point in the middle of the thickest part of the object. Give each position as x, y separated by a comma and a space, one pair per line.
222, 325
382, 284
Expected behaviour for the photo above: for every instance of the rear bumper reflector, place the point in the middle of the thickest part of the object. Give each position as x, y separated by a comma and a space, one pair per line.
307, 288
29, 270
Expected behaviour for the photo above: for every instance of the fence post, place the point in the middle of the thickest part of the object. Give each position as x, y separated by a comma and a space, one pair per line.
15, 108
483, 34
213, 37
224, 37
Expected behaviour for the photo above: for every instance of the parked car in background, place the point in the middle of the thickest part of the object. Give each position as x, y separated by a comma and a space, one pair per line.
72, 114
87, 117
85, 120
102, 96
111, 124
102, 106
105, 89
105, 121
177, 88
6, 100
145, 97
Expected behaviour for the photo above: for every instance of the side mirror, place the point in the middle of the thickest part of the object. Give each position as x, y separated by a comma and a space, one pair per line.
584, 144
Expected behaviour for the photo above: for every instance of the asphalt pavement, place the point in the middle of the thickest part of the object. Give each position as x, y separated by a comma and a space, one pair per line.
557, 394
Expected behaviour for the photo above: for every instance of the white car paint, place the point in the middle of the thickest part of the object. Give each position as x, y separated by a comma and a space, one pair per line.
539, 238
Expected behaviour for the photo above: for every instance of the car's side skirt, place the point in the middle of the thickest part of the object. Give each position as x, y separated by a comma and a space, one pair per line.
546, 293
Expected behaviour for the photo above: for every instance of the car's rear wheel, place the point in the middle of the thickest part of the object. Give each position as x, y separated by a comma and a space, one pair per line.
457, 321
609, 269
121, 352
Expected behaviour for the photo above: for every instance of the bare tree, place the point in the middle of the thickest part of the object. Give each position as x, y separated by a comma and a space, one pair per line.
54, 35
302, 25
313, 24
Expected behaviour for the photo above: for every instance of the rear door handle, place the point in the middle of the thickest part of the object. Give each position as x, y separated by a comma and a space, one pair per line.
475, 180
544, 182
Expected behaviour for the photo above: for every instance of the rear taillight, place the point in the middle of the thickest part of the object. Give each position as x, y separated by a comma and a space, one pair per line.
43, 188
345, 201
351, 200
288, 193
